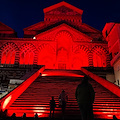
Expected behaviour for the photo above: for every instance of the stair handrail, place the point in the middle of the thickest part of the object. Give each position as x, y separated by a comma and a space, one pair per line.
108, 85
7, 100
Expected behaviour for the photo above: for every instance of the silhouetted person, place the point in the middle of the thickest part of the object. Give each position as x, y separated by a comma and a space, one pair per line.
1, 114
13, 117
63, 98
36, 117
85, 96
52, 107
114, 117
4, 115
24, 116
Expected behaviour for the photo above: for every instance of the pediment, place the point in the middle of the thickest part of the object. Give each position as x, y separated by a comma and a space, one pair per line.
63, 8
50, 35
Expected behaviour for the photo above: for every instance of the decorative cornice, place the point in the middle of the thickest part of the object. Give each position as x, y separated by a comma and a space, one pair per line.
63, 4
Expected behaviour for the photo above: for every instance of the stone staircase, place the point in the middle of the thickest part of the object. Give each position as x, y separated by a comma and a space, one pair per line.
35, 99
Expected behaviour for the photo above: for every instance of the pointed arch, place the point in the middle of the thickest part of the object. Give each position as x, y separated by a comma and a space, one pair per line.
99, 56
63, 49
64, 39
63, 34
46, 55
27, 54
8, 53
80, 57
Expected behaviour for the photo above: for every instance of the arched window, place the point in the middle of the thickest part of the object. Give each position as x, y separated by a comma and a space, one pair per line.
99, 57
80, 57
27, 54
8, 54
46, 56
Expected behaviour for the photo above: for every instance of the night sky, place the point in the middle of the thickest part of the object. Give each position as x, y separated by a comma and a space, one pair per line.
19, 14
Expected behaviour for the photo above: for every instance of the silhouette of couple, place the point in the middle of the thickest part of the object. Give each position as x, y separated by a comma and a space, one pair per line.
63, 98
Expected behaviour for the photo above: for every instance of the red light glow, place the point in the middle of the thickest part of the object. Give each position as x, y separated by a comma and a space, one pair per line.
5, 103
61, 42
63, 53
60, 73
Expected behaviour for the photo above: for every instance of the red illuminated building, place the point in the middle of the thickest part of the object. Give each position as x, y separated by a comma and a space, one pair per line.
61, 41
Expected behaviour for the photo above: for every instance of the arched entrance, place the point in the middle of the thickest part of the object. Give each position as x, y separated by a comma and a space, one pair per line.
63, 49
62, 58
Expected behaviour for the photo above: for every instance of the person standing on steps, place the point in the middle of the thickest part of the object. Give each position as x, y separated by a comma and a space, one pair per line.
52, 107
63, 98
85, 96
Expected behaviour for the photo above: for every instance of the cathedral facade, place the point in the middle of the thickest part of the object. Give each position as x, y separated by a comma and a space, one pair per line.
61, 41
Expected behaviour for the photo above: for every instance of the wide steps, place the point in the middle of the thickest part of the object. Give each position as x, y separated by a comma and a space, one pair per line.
36, 98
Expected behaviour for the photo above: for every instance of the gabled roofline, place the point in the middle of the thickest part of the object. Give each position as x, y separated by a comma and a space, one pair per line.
33, 25
64, 24
9, 28
63, 3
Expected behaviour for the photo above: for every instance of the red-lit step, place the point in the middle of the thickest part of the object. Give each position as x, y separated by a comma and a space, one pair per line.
35, 99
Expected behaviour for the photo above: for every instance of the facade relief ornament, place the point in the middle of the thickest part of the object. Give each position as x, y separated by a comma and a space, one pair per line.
46, 37
80, 38
62, 10
58, 44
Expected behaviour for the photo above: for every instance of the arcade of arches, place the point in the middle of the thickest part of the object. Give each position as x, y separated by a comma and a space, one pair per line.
60, 47
57, 56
